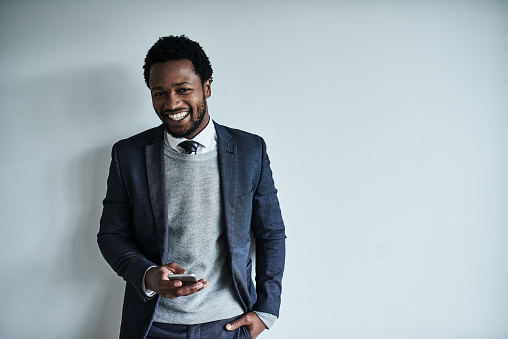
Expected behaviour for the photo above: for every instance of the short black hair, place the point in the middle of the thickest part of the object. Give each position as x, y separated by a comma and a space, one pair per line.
178, 48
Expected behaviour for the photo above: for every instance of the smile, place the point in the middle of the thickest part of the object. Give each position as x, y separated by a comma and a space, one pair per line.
178, 116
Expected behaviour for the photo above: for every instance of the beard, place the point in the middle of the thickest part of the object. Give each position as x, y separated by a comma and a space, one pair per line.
196, 121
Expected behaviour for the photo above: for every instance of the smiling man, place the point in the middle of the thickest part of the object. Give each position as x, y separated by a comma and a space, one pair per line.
191, 196
179, 97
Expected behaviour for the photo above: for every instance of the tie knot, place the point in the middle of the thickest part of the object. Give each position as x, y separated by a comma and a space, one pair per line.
189, 146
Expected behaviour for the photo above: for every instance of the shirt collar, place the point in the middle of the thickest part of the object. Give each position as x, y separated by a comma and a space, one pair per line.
207, 139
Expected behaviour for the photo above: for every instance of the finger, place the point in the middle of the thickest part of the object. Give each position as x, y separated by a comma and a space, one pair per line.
204, 282
191, 289
165, 272
198, 286
177, 269
236, 324
175, 283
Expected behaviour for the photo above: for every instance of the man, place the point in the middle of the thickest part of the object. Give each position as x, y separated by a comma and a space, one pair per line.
192, 207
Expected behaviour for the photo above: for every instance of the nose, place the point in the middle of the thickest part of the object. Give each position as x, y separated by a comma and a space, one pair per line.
172, 102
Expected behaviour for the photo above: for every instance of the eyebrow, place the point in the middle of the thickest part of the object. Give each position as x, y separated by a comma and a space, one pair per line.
174, 85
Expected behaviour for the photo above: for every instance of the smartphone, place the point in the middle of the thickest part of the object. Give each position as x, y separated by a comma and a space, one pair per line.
186, 279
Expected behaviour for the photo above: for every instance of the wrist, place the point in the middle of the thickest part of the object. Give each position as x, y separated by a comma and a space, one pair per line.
147, 285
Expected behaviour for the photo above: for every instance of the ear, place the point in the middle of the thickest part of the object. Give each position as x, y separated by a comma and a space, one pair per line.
207, 88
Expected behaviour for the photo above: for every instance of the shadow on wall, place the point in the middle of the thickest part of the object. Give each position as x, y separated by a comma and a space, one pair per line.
109, 101
76, 116
85, 263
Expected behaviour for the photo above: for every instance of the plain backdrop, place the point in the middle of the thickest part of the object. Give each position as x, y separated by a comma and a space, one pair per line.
386, 124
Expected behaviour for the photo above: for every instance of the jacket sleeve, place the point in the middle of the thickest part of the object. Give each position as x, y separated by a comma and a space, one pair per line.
269, 232
116, 233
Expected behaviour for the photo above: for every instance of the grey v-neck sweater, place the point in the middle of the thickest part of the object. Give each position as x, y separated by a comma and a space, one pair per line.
197, 239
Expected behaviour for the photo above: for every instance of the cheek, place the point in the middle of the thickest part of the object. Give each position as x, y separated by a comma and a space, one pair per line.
156, 106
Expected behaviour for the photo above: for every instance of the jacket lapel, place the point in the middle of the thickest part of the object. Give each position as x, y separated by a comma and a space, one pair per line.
227, 167
157, 187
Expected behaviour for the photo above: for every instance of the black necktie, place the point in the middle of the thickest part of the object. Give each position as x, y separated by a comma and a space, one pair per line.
189, 146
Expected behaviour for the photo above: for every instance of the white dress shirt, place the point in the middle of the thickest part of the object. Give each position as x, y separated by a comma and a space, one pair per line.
207, 139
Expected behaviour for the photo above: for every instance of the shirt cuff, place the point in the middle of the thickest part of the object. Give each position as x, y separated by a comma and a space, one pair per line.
267, 318
148, 292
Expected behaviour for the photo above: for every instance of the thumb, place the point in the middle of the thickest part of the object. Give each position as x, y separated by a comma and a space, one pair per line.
236, 324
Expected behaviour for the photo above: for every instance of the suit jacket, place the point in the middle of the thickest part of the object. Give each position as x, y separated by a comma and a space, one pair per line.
133, 231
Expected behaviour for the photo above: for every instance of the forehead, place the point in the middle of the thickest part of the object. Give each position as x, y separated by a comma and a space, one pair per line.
172, 72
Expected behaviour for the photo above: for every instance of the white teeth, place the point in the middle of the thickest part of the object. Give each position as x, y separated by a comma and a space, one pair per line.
178, 116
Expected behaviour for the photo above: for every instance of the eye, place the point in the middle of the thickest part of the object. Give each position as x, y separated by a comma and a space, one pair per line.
157, 94
184, 90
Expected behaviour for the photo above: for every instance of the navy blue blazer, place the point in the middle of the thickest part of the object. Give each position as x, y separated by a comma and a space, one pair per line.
133, 231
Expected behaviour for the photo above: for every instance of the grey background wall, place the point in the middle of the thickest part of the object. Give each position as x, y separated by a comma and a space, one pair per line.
386, 123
